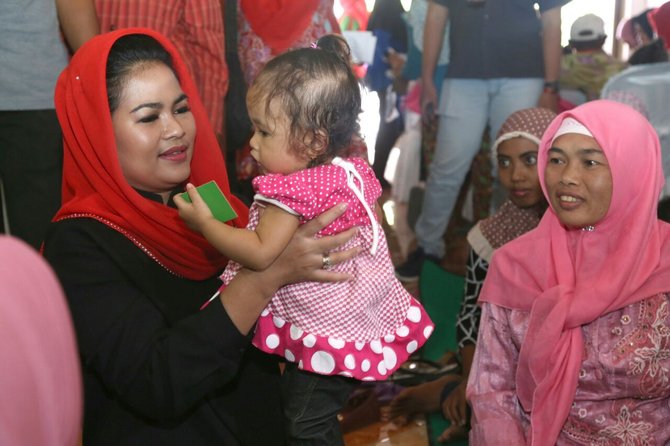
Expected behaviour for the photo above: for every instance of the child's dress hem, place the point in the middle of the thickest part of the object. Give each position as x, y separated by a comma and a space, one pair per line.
375, 360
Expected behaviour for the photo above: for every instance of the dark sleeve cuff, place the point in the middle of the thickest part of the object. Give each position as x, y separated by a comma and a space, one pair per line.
220, 330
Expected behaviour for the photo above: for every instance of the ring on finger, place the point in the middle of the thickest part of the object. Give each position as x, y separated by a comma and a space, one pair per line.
326, 262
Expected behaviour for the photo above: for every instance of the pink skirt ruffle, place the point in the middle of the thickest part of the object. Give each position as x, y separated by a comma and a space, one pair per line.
367, 361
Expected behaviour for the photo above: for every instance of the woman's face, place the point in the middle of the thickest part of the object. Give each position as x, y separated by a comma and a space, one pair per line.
154, 130
578, 180
517, 170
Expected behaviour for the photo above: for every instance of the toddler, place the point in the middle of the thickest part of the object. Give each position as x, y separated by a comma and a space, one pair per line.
304, 106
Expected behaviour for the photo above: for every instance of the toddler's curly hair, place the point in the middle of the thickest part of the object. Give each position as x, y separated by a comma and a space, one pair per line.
318, 92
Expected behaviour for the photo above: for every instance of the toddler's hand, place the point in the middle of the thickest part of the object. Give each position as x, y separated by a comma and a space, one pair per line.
195, 214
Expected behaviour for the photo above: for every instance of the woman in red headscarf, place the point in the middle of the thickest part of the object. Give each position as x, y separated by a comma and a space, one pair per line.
574, 339
156, 369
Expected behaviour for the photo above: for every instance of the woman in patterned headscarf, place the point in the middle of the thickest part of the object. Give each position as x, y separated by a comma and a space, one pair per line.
515, 149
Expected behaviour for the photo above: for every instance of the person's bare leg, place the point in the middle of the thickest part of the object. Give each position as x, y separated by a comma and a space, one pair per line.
423, 398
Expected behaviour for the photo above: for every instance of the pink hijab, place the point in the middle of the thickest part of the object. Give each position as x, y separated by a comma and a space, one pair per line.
581, 275
40, 380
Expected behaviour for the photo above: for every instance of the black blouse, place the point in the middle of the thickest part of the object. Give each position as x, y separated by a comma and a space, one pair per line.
156, 369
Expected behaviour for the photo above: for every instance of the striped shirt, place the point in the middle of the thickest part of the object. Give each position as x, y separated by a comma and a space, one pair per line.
196, 29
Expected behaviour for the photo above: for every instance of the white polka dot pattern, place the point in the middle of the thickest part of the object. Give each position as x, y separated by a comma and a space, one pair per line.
288, 354
272, 341
363, 328
411, 347
373, 360
322, 362
402, 331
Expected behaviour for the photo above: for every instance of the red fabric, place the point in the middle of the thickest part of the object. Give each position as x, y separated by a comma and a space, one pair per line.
93, 183
279, 22
660, 21
195, 27
567, 278
355, 16
565, 105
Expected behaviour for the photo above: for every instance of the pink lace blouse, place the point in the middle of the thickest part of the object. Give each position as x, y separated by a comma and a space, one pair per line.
623, 392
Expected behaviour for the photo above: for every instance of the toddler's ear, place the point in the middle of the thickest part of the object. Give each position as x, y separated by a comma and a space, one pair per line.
316, 143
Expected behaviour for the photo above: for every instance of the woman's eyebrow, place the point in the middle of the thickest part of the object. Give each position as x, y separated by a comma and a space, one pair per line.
152, 105
591, 151
180, 98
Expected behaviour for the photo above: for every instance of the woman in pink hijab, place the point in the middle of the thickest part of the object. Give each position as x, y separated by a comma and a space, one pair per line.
40, 380
574, 343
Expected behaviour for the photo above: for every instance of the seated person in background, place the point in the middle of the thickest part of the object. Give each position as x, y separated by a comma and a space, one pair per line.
574, 340
650, 48
515, 150
157, 370
636, 31
586, 69
40, 378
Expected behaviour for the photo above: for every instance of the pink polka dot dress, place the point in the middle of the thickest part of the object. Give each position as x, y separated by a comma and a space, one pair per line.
364, 328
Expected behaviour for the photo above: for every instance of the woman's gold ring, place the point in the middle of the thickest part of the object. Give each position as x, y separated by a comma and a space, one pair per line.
326, 263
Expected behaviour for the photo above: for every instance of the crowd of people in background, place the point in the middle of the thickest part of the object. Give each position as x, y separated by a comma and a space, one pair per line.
168, 324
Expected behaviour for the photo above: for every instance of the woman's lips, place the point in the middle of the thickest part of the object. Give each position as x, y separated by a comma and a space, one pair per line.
520, 193
177, 153
569, 201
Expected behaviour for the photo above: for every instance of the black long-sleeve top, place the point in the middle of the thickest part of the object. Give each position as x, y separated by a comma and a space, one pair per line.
157, 371
467, 324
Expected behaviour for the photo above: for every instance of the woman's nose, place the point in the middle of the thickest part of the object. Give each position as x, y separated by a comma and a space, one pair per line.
172, 128
570, 173
517, 173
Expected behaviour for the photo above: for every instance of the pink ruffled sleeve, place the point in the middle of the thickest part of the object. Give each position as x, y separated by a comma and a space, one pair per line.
289, 192
497, 416
310, 192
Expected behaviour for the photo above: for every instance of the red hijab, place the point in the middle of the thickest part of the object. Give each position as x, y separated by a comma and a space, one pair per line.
660, 20
93, 183
567, 278
279, 22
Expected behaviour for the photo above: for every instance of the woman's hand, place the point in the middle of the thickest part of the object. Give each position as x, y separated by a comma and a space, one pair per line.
302, 260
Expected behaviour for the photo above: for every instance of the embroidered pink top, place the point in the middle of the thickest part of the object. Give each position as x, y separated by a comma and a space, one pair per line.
622, 388
364, 328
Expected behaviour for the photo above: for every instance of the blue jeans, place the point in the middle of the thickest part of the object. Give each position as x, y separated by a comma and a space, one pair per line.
311, 404
466, 107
